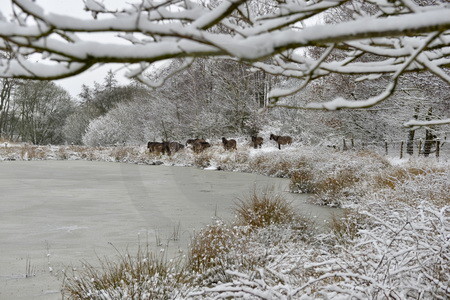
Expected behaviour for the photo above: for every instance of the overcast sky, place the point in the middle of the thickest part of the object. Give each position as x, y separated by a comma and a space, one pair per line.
75, 8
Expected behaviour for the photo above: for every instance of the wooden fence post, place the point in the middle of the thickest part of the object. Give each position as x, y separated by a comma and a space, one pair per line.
385, 148
420, 147
353, 143
401, 150
344, 147
438, 148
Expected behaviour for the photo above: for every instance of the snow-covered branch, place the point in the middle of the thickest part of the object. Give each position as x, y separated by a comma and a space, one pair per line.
390, 38
417, 123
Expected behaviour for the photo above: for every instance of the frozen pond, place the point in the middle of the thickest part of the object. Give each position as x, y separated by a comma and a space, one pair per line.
54, 214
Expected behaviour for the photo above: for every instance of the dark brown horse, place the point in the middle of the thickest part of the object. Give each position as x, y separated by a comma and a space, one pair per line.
229, 144
199, 146
257, 141
192, 141
175, 147
158, 148
281, 140
154, 146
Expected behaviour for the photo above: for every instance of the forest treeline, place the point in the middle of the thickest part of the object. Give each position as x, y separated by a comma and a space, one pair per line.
209, 100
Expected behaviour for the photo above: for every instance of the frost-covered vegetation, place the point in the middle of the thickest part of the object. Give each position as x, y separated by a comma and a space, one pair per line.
391, 242
383, 249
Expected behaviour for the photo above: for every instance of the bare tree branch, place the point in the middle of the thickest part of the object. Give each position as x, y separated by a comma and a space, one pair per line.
378, 38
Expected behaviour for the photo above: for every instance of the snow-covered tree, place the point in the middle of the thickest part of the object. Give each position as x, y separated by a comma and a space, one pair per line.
393, 37
103, 131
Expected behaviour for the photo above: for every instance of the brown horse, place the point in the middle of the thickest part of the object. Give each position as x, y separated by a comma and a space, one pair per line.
192, 141
199, 146
229, 144
155, 147
257, 141
158, 148
175, 147
281, 140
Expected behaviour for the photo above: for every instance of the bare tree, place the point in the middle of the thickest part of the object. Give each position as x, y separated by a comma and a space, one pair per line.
42, 109
393, 37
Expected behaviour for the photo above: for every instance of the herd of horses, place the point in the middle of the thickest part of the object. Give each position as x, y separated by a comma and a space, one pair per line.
199, 145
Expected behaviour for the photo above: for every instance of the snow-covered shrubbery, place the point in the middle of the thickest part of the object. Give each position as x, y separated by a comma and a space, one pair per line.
383, 249
389, 249
103, 131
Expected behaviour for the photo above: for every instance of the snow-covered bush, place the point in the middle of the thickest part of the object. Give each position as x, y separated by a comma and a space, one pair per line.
335, 178
396, 249
211, 251
104, 131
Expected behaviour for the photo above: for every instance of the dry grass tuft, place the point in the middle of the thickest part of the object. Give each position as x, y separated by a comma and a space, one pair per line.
302, 181
272, 164
242, 156
31, 152
10, 153
412, 186
143, 276
219, 248
264, 209
203, 159
374, 157
82, 152
121, 154
62, 153
330, 189
398, 175
210, 246
345, 227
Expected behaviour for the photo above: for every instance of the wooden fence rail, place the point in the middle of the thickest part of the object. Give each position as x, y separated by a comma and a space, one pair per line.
411, 148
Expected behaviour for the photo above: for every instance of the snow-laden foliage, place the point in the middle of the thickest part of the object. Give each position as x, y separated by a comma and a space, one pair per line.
103, 131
